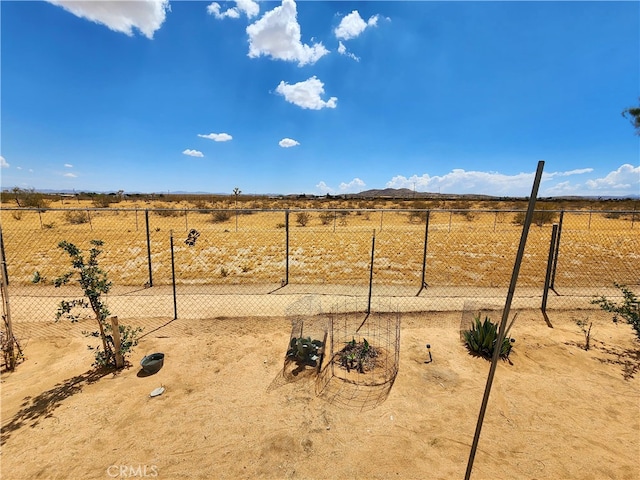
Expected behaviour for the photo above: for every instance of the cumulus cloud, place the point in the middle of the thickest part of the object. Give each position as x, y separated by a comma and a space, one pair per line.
623, 181
70, 175
625, 178
288, 143
214, 9
217, 137
306, 94
68, 165
462, 181
354, 186
277, 35
352, 25
193, 153
342, 50
3, 162
146, 16
248, 7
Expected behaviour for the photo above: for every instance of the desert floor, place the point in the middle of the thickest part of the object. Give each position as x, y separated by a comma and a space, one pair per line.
556, 411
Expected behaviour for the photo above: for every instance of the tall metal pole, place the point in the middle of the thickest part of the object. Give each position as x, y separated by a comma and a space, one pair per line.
552, 285
286, 228
173, 280
505, 316
423, 283
146, 219
547, 279
373, 251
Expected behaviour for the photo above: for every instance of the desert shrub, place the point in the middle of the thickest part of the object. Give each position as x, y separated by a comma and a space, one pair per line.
102, 201
302, 218
16, 214
326, 217
612, 215
200, 205
76, 217
304, 350
29, 198
629, 309
169, 212
220, 216
482, 337
540, 217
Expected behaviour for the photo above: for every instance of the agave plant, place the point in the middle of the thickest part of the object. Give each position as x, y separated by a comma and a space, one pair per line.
481, 338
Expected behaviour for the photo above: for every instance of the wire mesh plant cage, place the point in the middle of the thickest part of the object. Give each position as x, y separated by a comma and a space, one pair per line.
364, 353
307, 342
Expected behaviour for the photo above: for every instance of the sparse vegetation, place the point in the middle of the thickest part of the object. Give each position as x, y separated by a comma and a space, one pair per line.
542, 216
629, 309
302, 218
30, 198
305, 351
482, 337
585, 327
76, 217
94, 283
220, 216
358, 355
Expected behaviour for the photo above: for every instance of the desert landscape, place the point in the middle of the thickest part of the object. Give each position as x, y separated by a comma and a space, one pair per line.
232, 405
230, 410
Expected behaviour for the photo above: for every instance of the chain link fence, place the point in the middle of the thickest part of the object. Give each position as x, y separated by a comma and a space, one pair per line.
205, 263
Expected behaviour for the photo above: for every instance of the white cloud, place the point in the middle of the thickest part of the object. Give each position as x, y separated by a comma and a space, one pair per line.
625, 178
217, 137
19, 168
461, 181
31, 170
147, 16
68, 165
353, 25
70, 175
342, 50
3, 162
623, 181
248, 7
354, 186
192, 153
288, 142
277, 34
214, 9
306, 94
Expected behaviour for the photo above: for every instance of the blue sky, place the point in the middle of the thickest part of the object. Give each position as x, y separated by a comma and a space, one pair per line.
320, 97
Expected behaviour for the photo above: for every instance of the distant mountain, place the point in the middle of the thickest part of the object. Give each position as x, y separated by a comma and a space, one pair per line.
408, 193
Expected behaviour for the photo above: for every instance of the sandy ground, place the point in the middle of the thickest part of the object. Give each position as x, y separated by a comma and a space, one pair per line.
230, 410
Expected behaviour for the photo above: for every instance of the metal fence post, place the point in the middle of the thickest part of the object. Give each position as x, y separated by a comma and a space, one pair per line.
4, 257
173, 279
552, 285
89, 217
146, 219
286, 228
373, 250
423, 283
547, 278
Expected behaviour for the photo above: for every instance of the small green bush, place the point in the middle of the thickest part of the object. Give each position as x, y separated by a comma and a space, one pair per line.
629, 309
481, 338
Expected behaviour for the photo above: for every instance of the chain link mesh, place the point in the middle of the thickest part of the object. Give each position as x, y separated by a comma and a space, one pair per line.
186, 263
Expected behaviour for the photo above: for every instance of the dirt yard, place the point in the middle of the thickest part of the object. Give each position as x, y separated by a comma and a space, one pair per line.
229, 411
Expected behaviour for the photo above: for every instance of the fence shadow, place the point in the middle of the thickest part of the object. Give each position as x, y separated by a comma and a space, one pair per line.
34, 409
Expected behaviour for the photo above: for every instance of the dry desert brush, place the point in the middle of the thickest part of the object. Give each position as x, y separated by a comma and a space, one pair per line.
94, 283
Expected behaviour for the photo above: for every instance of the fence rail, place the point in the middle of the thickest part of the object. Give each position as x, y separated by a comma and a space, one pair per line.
213, 262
